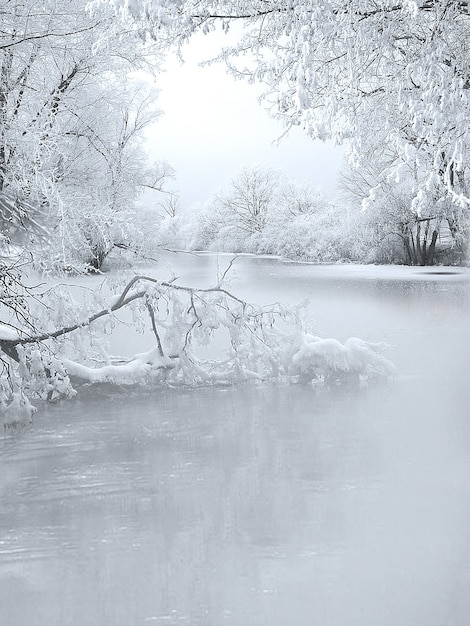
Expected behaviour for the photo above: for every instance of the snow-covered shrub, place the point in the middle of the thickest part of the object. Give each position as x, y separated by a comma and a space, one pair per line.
322, 236
170, 232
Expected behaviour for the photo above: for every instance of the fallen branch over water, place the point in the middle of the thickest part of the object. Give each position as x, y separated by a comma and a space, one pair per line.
200, 336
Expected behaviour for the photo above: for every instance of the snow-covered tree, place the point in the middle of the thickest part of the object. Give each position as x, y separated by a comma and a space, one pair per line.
394, 72
389, 232
106, 171
72, 117
235, 216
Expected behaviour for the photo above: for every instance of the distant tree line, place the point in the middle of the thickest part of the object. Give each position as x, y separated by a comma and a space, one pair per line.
262, 211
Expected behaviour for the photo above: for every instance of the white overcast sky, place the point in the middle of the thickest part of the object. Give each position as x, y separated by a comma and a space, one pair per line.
213, 125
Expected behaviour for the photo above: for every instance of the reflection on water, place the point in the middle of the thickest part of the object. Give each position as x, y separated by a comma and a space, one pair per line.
256, 505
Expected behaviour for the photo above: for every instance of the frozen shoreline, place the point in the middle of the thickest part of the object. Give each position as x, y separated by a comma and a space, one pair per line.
350, 270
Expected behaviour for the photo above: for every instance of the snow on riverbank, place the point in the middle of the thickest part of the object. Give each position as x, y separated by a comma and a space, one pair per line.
355, 271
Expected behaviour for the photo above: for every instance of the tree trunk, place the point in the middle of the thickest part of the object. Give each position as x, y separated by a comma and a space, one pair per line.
5, 72
432, 246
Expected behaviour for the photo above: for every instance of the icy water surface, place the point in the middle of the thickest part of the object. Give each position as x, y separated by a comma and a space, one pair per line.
258, 505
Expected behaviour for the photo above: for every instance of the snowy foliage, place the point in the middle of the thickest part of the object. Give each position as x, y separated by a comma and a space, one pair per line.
72, 122
391, 231
375, 73
264, 212
200, 336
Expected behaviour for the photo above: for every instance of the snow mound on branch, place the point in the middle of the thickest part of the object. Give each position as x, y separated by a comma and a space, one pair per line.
136, 370
312, 358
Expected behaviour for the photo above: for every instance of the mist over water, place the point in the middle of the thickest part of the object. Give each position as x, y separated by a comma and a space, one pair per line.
258, 505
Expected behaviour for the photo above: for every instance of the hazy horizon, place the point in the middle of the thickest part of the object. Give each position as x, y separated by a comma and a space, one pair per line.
212, 125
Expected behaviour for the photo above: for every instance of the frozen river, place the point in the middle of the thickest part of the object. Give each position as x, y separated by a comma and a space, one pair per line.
258, 505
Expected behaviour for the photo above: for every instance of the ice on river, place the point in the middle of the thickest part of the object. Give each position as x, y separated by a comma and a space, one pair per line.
258, 505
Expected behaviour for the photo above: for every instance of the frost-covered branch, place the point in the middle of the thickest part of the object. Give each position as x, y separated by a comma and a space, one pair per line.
203, 336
